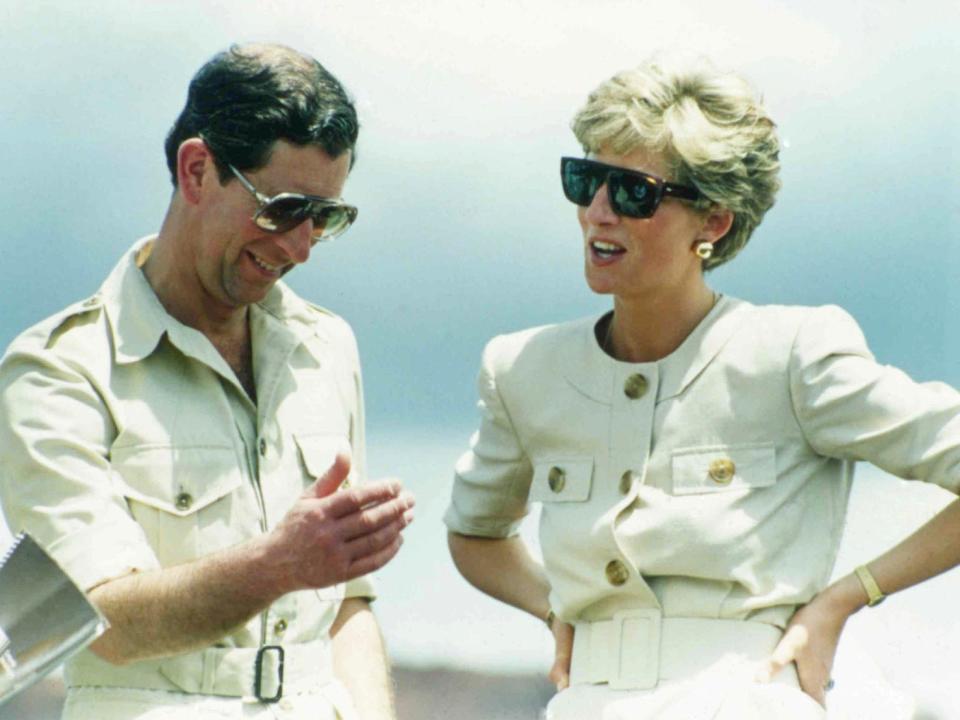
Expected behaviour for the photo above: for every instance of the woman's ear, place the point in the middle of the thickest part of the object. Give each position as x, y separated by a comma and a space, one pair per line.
716, 224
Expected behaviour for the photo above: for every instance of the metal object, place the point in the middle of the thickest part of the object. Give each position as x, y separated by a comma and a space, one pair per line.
44, 617
272, 664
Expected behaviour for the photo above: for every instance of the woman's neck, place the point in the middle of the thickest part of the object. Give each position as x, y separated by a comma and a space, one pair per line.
646, 329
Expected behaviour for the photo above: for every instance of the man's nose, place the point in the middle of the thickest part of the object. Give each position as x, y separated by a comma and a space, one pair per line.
298, 241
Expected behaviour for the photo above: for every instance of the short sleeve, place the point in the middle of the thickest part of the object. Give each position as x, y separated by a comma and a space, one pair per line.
492, 479
851, 407
56, 484
362, 587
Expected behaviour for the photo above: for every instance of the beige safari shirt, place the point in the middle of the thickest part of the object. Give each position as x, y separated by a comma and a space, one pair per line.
127, 443
712, 483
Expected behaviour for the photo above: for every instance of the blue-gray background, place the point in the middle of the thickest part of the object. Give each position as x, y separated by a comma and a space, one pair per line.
463, 231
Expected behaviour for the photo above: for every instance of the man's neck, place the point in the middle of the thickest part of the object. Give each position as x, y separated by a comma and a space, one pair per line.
181, 292
184, 298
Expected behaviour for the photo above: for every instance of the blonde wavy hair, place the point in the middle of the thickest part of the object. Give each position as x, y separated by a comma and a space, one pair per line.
710, 126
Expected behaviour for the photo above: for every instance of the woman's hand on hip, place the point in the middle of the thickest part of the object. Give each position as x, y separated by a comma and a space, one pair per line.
563, 643
810, 641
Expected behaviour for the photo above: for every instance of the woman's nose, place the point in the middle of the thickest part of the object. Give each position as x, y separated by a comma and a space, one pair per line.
599, 211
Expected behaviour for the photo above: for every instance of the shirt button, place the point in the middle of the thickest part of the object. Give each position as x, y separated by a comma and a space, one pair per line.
626, 481
722, 471
263, 447
617, 573
280, 627
556, 479
184, 501
635, 387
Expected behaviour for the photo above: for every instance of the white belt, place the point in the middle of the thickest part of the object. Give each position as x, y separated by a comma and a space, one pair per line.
263, 674
637, 648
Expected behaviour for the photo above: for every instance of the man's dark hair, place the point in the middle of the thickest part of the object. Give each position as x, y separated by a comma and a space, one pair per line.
246, 98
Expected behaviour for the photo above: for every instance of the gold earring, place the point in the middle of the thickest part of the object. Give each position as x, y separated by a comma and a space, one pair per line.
704, 250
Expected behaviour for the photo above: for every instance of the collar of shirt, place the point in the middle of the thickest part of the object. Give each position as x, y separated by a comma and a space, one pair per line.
595, 374
138, 320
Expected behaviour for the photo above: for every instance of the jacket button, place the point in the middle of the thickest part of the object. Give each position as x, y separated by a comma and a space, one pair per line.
626, 481
722, 471
556, 479
280, 627
617, 573
184, 501
635, 387
263, 447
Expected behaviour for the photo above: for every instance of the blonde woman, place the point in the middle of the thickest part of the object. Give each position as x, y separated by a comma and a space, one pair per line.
693, 452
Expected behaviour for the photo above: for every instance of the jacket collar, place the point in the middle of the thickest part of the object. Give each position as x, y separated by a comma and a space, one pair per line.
598, 376
684, 364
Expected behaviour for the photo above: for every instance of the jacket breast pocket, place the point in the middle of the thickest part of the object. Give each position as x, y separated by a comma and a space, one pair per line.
560, 480
184, 498
723, 468
317, 453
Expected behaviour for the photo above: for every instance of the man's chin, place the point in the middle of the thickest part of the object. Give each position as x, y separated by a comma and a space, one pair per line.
248, 296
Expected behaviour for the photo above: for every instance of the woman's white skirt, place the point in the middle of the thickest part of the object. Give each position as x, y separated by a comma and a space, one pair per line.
707, 671
724, 692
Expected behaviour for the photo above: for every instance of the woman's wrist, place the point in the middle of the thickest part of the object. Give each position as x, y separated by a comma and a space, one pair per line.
844, 597
550, 618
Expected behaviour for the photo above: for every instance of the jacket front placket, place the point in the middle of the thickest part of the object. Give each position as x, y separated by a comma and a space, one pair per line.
633, 393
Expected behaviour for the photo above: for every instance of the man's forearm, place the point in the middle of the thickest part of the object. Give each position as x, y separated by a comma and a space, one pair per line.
326, 538
360, 660
183, 608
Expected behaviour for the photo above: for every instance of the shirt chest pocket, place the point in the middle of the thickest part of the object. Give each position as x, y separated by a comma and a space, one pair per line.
723, 468
562, 480
190, 501
317, 453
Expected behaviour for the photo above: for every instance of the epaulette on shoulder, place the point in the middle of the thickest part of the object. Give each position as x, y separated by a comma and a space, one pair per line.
322, 311
76, 315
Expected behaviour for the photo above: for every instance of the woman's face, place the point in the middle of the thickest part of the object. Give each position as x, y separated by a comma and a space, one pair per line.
640, 257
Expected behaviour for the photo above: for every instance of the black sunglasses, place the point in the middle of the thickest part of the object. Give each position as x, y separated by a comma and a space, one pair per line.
631, 193
285, 211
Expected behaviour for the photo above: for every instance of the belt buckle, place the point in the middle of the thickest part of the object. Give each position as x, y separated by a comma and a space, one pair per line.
638, 635
258, 674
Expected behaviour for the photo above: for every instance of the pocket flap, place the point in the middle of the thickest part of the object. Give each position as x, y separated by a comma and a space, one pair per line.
319, 451
723, 468
176, 480
562, 480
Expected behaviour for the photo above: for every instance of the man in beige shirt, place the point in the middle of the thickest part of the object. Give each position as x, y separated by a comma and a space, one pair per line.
188, 442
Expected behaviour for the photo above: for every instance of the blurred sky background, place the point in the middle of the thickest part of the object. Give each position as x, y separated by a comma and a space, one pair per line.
463, 230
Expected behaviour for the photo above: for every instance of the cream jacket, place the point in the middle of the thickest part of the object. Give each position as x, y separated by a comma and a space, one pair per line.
712, 483
127, 443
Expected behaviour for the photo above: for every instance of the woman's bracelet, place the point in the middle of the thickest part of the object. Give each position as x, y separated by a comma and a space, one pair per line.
551, 616
875, 595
